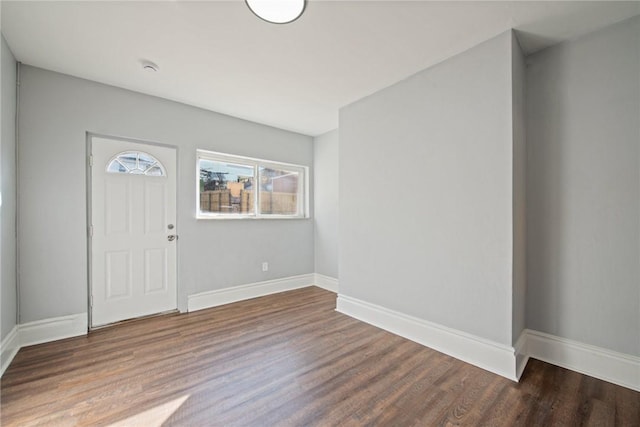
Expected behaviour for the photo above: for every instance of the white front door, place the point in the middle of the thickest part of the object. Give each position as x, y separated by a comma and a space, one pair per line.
133, 229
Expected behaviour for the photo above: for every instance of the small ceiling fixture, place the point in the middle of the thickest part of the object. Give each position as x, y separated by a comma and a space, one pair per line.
277, 11
150, 66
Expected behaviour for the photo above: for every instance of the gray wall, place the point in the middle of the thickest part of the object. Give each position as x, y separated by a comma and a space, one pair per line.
518, 84
583, 138
326, 236
426, 198
55, 113
8, 210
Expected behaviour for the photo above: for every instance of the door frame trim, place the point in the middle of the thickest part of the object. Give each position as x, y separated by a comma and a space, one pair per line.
88, 147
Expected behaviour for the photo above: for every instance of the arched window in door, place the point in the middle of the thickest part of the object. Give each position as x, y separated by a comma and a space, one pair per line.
137, 163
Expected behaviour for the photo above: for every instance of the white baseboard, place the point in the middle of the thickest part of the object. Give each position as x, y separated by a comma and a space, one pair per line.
326, 282
494, 357
522, 356
617, 368
8, 349
42, 331
53, 329
607, 365
243, 292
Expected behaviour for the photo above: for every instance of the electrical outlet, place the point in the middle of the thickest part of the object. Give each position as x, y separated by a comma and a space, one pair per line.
265, 266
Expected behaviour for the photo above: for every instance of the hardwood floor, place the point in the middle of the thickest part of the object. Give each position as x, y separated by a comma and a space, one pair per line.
289, 360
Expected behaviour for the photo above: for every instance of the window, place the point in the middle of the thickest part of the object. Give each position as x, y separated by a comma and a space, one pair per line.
242, 187
137, 163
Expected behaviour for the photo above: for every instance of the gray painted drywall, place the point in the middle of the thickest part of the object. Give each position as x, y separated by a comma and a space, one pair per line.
583, 186
55, 113
8, 210
325, 190
426, 194
519, 192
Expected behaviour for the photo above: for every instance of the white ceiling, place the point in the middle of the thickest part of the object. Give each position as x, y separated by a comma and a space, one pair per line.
217, 55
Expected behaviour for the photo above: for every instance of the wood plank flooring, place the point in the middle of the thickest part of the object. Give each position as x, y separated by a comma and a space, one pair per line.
285, 360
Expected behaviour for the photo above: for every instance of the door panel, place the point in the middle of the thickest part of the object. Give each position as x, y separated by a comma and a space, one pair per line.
133, 206
154, 220
155, 270
118, 274
117, 215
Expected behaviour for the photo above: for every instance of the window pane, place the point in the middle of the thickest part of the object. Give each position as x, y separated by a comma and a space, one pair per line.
226, 187
154, 171
278, 191
117, 167
128, 160
145, 161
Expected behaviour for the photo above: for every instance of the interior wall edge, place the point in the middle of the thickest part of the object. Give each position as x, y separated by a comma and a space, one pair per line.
607, 365
326, 282
209, 299
509, 362
41, 331
483, 353
9, 348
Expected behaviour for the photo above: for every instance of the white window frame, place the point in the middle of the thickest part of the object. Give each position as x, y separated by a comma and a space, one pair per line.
303, 185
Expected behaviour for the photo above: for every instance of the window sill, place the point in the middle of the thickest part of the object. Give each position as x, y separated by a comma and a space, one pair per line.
247, 217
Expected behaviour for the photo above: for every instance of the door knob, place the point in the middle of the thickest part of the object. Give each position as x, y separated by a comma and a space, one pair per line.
172, 237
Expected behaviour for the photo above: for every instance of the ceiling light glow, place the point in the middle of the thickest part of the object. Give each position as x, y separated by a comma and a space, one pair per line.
277, 11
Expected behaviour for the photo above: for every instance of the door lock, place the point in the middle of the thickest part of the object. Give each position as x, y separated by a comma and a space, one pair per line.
172, 237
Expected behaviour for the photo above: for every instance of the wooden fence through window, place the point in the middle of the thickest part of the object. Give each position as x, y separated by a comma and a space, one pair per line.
221, 201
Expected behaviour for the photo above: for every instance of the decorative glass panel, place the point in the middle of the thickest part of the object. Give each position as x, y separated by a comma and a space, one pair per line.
137, 163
